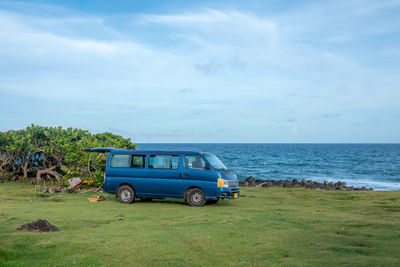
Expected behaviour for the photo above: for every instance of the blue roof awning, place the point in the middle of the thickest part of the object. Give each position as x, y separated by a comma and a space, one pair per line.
100, 149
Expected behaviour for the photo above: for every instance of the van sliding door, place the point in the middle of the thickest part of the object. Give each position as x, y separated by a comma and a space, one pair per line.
163, 175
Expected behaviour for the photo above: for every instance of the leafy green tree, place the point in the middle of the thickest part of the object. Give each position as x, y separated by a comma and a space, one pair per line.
45, 152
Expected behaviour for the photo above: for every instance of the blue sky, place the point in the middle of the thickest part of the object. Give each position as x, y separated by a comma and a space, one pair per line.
204, 71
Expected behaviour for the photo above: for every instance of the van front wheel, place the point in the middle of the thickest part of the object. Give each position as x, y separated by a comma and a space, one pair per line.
126, 194
196, 197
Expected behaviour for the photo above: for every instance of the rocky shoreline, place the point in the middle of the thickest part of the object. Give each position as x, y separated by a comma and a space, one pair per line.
252, 182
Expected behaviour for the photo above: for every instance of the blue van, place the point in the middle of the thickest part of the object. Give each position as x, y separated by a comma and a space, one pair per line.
197, 177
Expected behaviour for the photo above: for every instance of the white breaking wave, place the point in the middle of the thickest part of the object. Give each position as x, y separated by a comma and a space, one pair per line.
376, 185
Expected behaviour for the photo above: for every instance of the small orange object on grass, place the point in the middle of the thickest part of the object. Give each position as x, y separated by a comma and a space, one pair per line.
96, 199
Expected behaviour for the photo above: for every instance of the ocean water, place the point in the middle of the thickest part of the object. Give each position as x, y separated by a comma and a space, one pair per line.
370, 165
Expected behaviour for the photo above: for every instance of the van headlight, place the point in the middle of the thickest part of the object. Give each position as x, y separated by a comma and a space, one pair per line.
223, 183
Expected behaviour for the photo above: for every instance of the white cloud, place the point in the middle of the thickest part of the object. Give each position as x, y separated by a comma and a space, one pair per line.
239, 66
89, 45
210, 20
207, 17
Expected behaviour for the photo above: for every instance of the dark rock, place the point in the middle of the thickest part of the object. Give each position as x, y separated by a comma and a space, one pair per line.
326, 185
287, 183
250, 179
279, 183
252, 184
269, 183
340, 186
41, 225
243, 183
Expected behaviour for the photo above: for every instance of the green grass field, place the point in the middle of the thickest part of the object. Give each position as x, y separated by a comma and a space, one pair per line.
291, 227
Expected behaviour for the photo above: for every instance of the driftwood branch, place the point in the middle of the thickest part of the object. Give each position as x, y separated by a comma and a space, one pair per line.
48, 171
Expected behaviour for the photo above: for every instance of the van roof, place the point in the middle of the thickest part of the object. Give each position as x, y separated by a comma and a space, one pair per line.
120, 150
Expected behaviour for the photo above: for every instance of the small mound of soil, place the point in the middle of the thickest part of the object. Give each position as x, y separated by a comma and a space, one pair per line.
41, 225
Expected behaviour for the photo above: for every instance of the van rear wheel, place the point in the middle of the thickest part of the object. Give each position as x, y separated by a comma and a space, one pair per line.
126, 194
196, 197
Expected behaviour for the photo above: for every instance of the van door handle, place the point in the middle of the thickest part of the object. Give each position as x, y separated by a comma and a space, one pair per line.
186, 175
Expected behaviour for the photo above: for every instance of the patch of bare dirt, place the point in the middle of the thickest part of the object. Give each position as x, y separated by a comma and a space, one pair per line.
41, 225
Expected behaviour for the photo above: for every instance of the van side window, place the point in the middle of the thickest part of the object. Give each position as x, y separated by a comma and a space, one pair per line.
175, 162
163, 162
121, 161
195, 162
138, 161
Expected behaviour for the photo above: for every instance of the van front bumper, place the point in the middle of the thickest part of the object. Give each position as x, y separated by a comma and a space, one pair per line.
229, 192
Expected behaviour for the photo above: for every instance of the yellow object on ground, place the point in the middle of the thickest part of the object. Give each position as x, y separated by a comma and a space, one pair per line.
96, 199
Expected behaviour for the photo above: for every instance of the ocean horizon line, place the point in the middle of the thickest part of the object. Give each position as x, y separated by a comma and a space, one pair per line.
271, 143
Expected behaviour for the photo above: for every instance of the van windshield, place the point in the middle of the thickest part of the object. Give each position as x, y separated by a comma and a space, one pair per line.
215, 162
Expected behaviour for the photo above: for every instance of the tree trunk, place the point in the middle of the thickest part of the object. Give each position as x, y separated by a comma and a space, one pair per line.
26, 165
4, 163
44, 160
49, 171
25, 169
14, 171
